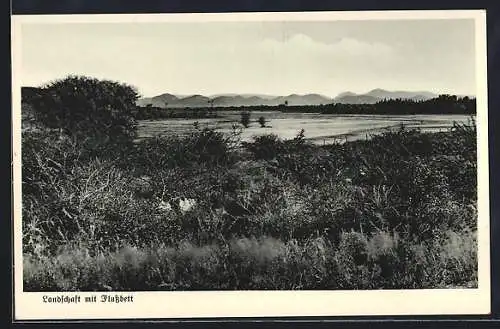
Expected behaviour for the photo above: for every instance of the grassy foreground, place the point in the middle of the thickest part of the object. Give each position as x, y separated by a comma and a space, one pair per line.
201, 212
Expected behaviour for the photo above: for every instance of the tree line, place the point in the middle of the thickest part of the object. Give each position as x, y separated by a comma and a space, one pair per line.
443, 104
52, 106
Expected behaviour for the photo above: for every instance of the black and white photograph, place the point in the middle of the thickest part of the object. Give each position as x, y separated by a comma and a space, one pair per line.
206, 156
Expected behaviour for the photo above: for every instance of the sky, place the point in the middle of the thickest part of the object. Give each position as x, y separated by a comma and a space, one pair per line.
271, 57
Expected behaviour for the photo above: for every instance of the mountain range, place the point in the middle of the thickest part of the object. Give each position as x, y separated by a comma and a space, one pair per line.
168, 100
376, 95
226, 100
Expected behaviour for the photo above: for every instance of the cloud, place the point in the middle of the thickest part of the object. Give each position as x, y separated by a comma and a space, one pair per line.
217, 62
344, 47
278, 58
299, 63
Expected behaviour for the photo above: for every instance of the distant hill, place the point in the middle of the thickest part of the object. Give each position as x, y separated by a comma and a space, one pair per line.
346, 93
385, 94
158, 101
356, 99
262, 96
237, 100
234, 99
376, 95
168, 100
309, 99
194, 101
227, 100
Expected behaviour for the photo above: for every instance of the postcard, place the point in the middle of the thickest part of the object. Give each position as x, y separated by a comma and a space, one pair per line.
187, 166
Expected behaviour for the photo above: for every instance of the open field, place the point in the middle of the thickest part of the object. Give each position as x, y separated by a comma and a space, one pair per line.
318, 128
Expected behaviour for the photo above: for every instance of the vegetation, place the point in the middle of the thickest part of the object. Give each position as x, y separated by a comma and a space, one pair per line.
83, 107
262, 121
245, 119
206, 212
443, 104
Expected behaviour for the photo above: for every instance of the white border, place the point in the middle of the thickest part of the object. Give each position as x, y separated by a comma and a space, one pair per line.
29, 306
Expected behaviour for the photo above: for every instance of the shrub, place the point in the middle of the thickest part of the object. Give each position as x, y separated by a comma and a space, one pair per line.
88, 107
265, 146
262, 121
245, 119
201, 147
352, 258
270, 146
397, 211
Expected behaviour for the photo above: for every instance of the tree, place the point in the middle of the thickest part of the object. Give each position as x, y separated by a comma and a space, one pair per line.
211, 111
245, 119
86, 107
283, 105
262, 121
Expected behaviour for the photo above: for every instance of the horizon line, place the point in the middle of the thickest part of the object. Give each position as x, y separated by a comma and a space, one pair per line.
214, 95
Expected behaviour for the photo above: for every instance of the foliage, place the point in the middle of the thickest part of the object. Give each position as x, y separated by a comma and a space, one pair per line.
398, 210
443, 104
262, 121
205, 146
88, 107
358, 262
245, 119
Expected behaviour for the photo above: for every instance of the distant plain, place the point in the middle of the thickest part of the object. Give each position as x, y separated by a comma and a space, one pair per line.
318, 128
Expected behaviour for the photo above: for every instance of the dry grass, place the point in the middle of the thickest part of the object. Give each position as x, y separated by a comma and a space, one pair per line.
395, 211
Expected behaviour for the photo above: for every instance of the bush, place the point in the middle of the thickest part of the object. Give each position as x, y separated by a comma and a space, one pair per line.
245, 119
202, 147
265, 146
262, 121
88, 107
270, 146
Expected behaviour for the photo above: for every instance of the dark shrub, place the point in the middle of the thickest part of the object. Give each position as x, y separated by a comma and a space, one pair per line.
88, 107
265, 146
204, 147
245, 118
262, 121
270, 145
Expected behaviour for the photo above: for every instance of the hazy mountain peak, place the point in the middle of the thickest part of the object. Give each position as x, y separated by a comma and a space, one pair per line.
379, 94
294, 99
346, 93
167, 95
